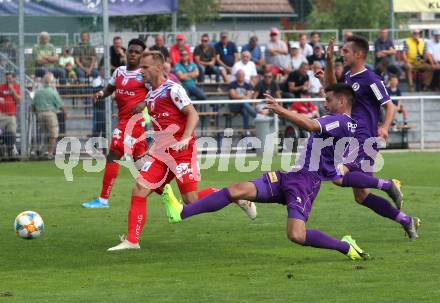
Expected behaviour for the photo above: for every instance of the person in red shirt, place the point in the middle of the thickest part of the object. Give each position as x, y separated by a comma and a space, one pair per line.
9, 98
129, 88
174, 153
177, 48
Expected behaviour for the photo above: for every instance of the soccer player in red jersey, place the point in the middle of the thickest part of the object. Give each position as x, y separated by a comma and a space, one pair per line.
173, 154
129, 88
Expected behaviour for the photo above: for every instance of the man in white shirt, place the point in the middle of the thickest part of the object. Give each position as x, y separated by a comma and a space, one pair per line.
249, 68
305, 48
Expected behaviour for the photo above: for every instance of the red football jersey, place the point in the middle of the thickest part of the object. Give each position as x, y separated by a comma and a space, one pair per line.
130, 90
164, 106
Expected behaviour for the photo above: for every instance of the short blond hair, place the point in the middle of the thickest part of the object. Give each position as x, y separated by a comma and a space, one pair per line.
157, 56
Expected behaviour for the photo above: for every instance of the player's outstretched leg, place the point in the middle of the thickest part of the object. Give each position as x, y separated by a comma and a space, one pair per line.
110, 175
357, 179
176, 212
384, 208
247, 206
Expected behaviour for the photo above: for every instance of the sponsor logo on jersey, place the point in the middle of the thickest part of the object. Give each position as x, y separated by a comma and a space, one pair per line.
352, 126
125, 92
330, 126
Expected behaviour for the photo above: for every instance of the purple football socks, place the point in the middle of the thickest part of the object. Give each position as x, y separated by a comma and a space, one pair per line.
358, 179
318, 239
210, 203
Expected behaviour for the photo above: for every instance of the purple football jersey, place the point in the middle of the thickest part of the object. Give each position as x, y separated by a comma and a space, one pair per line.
371, 94
319, 154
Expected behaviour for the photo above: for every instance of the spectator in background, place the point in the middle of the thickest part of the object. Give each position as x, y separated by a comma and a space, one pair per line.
47, 103
296, 57
187, 72
226, 52
70, 73
117, 54
276, 53
414, 55
7, 50
247, 66
204, 57
315, 87
384, 52
394, 91
98, 129
315, 39
178, 48
46, 58
159, 45
255, 50
339, 72
267, 86
9, 98
168, 70
318, 56
85, 58
297, 82
305, 48
240, 89
434, 58
65, 58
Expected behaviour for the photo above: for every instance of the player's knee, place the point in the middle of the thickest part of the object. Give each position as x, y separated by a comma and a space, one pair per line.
360, 196
139, 190
296, 236
237, 191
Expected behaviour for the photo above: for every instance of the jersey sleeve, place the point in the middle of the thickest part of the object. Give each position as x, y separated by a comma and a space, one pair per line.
179, 97
332, 126
112, 80
380, 92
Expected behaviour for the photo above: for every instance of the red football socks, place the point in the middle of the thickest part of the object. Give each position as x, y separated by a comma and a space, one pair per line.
110, 175
136, 218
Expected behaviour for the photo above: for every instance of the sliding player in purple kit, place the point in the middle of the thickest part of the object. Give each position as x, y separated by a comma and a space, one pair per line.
371, 95
296, 189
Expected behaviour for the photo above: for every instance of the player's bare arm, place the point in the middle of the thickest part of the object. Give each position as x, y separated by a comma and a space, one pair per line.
390, 110
329, 74
300, 120
192, 118
102, 94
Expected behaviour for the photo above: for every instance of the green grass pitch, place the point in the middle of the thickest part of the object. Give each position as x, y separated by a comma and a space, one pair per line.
221, 257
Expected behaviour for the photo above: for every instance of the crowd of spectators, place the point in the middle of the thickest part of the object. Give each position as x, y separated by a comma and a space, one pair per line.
280, 68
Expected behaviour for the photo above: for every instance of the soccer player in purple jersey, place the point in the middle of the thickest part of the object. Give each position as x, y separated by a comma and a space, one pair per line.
371, 95
296, 189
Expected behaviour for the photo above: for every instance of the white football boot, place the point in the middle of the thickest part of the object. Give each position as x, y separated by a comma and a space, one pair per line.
249, 208
125, 244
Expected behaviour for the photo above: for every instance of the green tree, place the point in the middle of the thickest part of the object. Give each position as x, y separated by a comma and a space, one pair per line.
345, 14
190, 12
